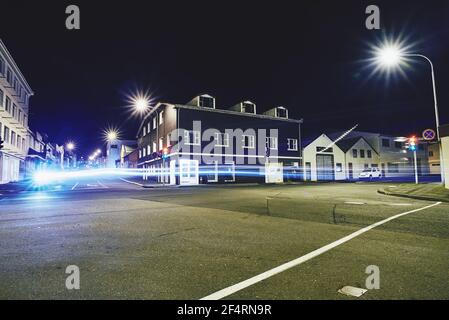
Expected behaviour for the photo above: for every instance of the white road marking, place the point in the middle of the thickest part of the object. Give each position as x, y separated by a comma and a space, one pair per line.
354, 202
76, 184
267, 274
101, 184
132, 182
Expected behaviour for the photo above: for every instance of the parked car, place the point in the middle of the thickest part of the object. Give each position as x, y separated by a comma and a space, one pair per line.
370, 173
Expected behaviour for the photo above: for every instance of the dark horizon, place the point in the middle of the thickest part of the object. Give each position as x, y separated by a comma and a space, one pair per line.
308, 58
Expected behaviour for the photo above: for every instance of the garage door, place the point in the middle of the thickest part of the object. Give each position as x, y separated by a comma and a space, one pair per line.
325, 167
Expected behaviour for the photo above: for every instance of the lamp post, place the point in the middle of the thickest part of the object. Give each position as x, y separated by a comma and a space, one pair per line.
391, 56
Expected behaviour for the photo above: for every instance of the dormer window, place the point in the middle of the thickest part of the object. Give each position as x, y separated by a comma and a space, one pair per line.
248, 107
206, 102
281, 112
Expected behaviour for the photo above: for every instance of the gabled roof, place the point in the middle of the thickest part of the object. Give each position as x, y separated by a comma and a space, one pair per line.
346, 144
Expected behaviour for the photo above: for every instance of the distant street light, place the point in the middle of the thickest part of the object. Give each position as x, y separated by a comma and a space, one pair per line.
70, 146
392, 55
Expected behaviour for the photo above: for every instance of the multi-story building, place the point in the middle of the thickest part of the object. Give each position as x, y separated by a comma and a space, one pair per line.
113, 151
197, 142
15, 93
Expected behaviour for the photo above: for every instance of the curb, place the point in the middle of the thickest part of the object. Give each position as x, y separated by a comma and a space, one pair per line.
387, 193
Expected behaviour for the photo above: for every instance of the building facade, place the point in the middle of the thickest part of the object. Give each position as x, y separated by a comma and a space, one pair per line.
434, 158
197, 142
113, 151
343, 156
15, 94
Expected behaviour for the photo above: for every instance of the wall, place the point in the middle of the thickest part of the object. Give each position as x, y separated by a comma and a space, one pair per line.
310, 153
358, 164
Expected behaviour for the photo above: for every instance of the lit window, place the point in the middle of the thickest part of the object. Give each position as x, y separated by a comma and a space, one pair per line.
154, 123
161, 117
161, 143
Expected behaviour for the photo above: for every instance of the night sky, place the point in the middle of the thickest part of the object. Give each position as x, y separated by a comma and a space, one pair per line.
305, 55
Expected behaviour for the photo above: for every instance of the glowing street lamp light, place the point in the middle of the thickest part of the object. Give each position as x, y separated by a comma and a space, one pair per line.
70, 146
393, 55
141, 104
112, 135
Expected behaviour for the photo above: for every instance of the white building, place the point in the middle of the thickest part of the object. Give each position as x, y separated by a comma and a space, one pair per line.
359, 155
323, 160
330, 157
113, 151
14, 107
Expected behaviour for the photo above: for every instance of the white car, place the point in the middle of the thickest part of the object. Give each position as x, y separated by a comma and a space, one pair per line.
370, 173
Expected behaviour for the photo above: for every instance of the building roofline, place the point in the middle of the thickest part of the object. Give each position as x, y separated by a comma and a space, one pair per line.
225, 111
16, 67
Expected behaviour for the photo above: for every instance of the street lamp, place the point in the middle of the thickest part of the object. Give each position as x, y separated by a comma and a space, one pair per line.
141, 104
70, 146
392, 55
112, 135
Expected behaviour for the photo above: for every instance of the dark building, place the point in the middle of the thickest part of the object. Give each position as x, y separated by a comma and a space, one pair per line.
198, 143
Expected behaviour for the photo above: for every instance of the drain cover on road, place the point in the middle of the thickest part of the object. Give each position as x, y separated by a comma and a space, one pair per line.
352, 291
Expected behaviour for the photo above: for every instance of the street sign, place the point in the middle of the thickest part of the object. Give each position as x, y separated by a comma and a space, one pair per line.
428, 134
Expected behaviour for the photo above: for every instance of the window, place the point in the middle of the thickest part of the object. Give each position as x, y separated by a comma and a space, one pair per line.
366, 166
154, 146
13, 138
149, 127
398, 144
8, 104
9, 76
362, 153
14, 111
430, 153
154, 123
192, 137
249, 141
161, 117
2, 97
19, 142
169, 140
144, 131
206, 102
144, 152
221, 139
20, 116
324, 149
338, 167
354, 153
292, 144
2, 66
148, 149
386, 143
25, 123
281, 112
23, 144
161, 143
272, 143
140, 153
369, 154
248, 107
6, 134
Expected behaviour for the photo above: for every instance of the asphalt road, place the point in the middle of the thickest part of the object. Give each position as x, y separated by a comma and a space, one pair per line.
187, 243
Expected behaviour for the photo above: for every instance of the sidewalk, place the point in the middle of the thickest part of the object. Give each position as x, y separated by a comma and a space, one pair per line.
430, 191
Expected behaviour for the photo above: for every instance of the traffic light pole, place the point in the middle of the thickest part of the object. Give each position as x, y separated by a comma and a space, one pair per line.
416, 166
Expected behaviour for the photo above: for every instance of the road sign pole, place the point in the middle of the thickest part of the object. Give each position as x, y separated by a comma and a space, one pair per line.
416, 167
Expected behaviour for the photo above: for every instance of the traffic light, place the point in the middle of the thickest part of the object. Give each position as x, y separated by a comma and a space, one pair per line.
412, 141
164, 153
